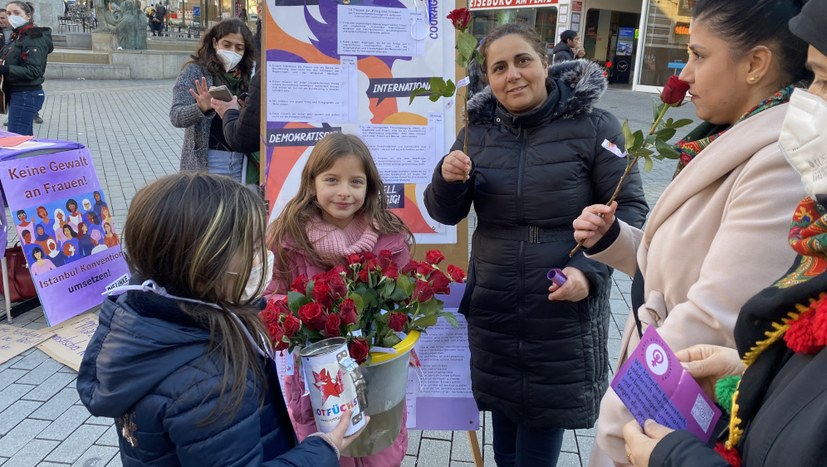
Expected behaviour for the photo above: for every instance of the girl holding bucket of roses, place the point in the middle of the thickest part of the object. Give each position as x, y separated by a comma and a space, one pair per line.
340, 210
718, 233
180, 360
539, 361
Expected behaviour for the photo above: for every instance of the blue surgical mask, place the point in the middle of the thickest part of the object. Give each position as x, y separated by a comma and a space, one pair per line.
17, 21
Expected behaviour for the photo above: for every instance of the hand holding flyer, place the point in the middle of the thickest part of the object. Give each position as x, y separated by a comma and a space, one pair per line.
653, 385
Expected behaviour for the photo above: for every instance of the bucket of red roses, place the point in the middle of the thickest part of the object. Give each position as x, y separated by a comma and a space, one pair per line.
380, 310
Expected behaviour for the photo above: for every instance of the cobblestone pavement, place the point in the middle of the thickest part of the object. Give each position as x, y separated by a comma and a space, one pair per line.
126, 126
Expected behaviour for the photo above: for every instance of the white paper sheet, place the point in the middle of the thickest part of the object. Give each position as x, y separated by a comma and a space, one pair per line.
307, 92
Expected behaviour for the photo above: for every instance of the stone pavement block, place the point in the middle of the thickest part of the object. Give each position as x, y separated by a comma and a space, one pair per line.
569, 443
32, 453
96, 456
15, 414
587, 432
488, 431
585, 444
409, 461
65, 424
10, 362
50, 464
76, 444
102, 421
20, 436
434, 453
115, 462
413, 441
58, 404
51, 386
461, 446
461, 464
568, 459
437, 434
12, 393
488, 456
10, 375
36, 376
32, 360
109, 437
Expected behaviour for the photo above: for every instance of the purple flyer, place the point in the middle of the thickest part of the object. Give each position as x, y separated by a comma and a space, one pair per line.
65, 227
653, 385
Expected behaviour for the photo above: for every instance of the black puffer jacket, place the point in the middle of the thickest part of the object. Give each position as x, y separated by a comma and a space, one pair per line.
25, 58
540, 363
241, 127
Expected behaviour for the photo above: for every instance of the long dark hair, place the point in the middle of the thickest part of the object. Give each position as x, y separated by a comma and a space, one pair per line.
750, 23
207, 57
218, 222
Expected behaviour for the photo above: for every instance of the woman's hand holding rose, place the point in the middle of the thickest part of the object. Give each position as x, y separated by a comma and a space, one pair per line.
593, 223
456, 167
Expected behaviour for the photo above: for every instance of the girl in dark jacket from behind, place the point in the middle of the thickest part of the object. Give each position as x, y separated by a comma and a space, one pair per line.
180, 361
538, 360
23, 67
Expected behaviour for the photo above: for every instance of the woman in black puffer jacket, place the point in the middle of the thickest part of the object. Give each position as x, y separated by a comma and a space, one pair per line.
24, 63
538, 361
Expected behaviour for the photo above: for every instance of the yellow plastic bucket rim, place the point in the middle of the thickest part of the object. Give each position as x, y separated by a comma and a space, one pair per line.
401, 349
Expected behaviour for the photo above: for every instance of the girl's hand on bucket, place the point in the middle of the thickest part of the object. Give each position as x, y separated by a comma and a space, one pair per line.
337, 436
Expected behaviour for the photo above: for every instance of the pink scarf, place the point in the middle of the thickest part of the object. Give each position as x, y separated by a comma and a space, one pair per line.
333, 244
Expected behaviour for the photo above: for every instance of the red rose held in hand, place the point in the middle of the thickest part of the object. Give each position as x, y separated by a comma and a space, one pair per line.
397, 321
674, 91
460, 18
358, 349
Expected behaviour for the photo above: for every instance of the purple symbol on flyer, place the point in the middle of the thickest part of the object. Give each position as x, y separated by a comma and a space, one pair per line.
653, 385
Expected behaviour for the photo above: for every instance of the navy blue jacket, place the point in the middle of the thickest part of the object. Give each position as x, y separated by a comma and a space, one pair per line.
148, 367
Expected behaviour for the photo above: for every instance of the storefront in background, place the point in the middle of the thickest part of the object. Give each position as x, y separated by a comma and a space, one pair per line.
201, 14
540, 14
663, 42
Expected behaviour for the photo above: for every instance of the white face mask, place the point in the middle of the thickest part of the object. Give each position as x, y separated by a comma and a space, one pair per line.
229, 58
254, 287
804, 143
17, 21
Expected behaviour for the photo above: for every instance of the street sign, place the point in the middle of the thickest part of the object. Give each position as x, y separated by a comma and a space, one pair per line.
196, 11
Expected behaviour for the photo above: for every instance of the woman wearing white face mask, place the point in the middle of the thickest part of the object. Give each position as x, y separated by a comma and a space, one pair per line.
225, 57
24, 62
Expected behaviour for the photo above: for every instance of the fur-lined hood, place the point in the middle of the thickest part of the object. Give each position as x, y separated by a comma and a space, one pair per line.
575, 87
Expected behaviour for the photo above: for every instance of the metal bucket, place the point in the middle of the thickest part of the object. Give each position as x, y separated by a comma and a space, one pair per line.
386, 376
336, 384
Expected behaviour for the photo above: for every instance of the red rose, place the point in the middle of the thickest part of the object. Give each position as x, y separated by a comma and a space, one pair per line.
347, 310
339, 269
281, 307
371, 264
281, 346
322, 293
332, 326
434, 256
367, 256
674, 91
269, 315
422, 291
440, 282
353, 258
338, 288
424, 269
276, 333
291, 325
457, 274
309, 312
299, 284
460, 18
410, 267
364, 276
358, 350
397, 321
391, 272
319, 322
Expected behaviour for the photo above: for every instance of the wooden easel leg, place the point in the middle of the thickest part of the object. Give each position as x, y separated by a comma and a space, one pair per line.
475, 448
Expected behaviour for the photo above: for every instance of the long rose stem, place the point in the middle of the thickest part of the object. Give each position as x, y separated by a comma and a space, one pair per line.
465, 136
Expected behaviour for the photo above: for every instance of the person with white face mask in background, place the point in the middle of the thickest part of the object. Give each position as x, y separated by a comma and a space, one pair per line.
780, 407
226, 57
23, 66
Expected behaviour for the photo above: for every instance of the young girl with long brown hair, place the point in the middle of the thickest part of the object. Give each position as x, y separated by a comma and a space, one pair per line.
340, 209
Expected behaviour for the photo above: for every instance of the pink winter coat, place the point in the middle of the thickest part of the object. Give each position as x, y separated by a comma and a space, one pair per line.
298, 403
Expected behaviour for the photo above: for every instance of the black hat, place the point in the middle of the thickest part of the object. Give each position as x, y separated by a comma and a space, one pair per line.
809, 24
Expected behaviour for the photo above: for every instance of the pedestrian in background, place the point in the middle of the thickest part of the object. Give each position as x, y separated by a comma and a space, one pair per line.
225, 56
539, 360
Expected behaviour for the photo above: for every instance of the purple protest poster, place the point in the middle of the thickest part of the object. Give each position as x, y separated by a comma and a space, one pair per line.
653, 385
65, 228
